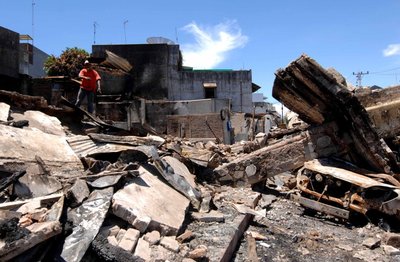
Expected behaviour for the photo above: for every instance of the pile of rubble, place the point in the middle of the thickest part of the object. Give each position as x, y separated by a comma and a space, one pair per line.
111, 196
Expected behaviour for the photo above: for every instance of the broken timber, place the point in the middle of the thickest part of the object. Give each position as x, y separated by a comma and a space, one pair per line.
340, 127
96, 120
284, 155
319, 97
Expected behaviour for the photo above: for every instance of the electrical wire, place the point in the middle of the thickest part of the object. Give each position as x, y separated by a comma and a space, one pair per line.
384, 71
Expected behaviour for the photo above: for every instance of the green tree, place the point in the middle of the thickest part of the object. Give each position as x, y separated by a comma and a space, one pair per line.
68, 64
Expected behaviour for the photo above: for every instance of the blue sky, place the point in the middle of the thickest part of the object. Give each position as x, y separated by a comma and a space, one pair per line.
350, 36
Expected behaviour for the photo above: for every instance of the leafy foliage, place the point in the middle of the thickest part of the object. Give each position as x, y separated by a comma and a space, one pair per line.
68, 64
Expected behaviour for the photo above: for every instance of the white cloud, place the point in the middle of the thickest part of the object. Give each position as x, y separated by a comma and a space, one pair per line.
212, 44
391, 50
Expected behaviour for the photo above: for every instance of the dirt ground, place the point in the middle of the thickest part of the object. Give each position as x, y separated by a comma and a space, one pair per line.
292, 233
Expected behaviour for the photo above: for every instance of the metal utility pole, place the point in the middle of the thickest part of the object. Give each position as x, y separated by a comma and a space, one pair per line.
359, 76
94, 31
125, 22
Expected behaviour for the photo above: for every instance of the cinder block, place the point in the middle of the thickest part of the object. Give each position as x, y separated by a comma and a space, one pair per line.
129, 240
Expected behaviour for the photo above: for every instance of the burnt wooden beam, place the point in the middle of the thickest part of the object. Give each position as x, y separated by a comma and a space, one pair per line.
23, 101
319, 97
10, 180
271, 160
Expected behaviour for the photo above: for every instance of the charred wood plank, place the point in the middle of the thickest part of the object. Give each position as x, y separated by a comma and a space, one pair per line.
23, 101
287, 154
96, 120
10, 180
43, 201
268, 161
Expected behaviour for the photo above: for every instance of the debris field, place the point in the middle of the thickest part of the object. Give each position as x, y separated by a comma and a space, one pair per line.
326, 189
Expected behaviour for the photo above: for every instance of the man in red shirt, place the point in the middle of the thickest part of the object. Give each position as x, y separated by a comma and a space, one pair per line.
90, 84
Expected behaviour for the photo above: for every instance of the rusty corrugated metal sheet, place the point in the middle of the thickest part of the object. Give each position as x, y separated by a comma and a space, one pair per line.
84, 146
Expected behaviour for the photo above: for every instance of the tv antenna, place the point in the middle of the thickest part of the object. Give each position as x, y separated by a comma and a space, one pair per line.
359, 76
125, 22
33, 31
95, 24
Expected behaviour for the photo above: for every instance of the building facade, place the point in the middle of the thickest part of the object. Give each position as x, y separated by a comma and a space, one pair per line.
158, 74
9, 58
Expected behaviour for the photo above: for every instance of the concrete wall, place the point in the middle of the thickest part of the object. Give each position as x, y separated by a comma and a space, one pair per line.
31, 60
155, 66
157, 75
157, 111
233, 85
194, 126
9, 53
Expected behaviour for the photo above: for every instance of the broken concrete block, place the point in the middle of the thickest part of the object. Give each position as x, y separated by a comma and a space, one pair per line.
205, 204
105, 181
188, 260
39, 214
113, 231
78, 192
120, 234
371, 243
152, 198
170, 243
178, 176
31, 185
251, 170
143, 250
4, 111
159, 254
392, 239
129, 240
141, 223
25, 221
53, 150
345, 247
112, 240
267, 200
213, 216
30, 207
390, 251
261, 139
367, 255
210, 145
41, 121
152, 237
198, 252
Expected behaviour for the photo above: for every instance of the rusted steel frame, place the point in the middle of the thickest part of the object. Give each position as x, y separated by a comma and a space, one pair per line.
339, 201
321, 207
351, 177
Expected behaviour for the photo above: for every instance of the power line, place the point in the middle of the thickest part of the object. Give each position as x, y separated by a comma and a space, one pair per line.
384, 71
359, 76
